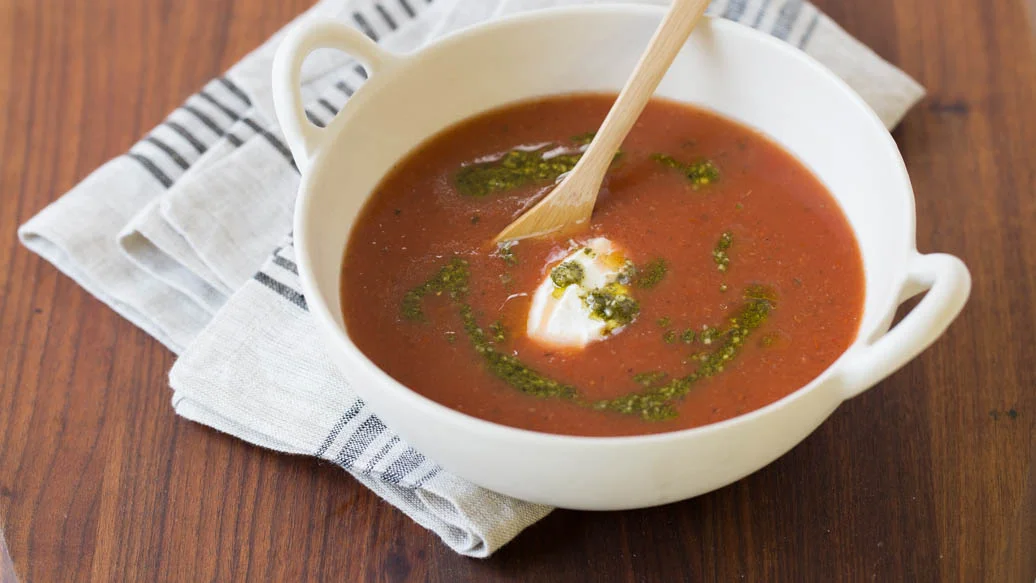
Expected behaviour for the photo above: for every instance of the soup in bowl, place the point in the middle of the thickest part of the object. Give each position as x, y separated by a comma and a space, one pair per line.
753, 239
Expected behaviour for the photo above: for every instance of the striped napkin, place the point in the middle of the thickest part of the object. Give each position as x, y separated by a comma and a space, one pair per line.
184, 235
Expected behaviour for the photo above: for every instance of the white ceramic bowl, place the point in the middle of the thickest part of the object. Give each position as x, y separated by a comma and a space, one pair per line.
725, 67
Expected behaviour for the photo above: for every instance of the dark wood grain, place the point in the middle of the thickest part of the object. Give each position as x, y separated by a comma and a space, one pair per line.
927, 477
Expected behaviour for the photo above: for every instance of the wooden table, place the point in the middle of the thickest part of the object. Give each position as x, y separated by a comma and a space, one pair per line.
930, 476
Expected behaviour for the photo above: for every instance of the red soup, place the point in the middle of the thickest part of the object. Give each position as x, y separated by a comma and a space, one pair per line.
718, 275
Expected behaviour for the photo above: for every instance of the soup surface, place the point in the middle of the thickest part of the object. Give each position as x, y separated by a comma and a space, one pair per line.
718, 275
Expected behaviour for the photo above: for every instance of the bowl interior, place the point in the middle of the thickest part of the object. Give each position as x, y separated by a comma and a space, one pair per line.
730, 69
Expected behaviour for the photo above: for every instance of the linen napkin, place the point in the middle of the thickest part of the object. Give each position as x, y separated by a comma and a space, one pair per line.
187, 235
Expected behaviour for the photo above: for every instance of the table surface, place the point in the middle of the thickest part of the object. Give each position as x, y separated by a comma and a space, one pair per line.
928, 476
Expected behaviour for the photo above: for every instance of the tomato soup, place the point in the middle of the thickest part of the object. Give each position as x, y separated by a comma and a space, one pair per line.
717, 275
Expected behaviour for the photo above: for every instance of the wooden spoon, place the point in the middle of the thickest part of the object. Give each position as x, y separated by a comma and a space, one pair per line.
569, 206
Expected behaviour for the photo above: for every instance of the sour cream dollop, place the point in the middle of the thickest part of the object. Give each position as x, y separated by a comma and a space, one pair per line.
561, 315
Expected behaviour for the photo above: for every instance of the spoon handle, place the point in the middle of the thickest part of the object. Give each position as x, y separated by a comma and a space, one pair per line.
666, 43
570, 205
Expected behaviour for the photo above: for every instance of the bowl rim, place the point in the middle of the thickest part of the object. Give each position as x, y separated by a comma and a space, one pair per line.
336, 335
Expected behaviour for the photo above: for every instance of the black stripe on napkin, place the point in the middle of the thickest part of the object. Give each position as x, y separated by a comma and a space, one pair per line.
762, 13
219, 105
152, 168
273, 140
339, 425
193, 141
359, 441
736, 10
203, 118
786, 18
236, 141
406, 463
345, 88
313, 119
809, 31
327, 105
286, 264
173, 154
391, 22
407, 8
210, 123
280, 289
381, 454
365, 26
235, 90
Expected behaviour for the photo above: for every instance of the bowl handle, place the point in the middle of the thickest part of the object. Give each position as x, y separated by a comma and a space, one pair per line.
305, 139
948, 283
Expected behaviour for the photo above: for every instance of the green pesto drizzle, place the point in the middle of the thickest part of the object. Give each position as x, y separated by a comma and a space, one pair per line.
509, 368
451, 279
700, 173
514, 169
763, 293
612, 305
647, 379
627, 273
719, 253
518, 168
584, 138
653, 273
654, 403
499, 333
566, 274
